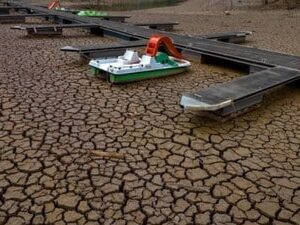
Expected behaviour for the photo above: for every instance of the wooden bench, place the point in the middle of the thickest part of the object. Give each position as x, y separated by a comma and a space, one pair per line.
167, 26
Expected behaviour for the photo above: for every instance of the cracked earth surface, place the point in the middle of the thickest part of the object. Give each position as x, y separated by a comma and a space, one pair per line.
179, 168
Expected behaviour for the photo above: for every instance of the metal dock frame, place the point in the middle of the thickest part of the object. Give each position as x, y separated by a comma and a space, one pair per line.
55, 29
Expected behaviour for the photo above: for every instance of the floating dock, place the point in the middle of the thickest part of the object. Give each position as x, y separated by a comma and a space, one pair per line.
111, 50
268, 70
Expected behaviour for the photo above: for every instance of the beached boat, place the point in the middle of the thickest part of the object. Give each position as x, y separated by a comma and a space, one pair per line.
91, 13
130, 67
56, 5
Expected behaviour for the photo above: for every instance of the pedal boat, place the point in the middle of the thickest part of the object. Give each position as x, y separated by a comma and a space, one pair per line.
130, 67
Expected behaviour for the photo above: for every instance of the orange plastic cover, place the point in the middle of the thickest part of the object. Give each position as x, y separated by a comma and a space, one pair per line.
54, 4
157, 41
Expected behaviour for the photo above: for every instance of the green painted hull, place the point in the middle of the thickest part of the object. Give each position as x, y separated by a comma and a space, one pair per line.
126, 78
91, 13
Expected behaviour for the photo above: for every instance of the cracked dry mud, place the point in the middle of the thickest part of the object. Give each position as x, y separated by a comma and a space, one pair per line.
179, 168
